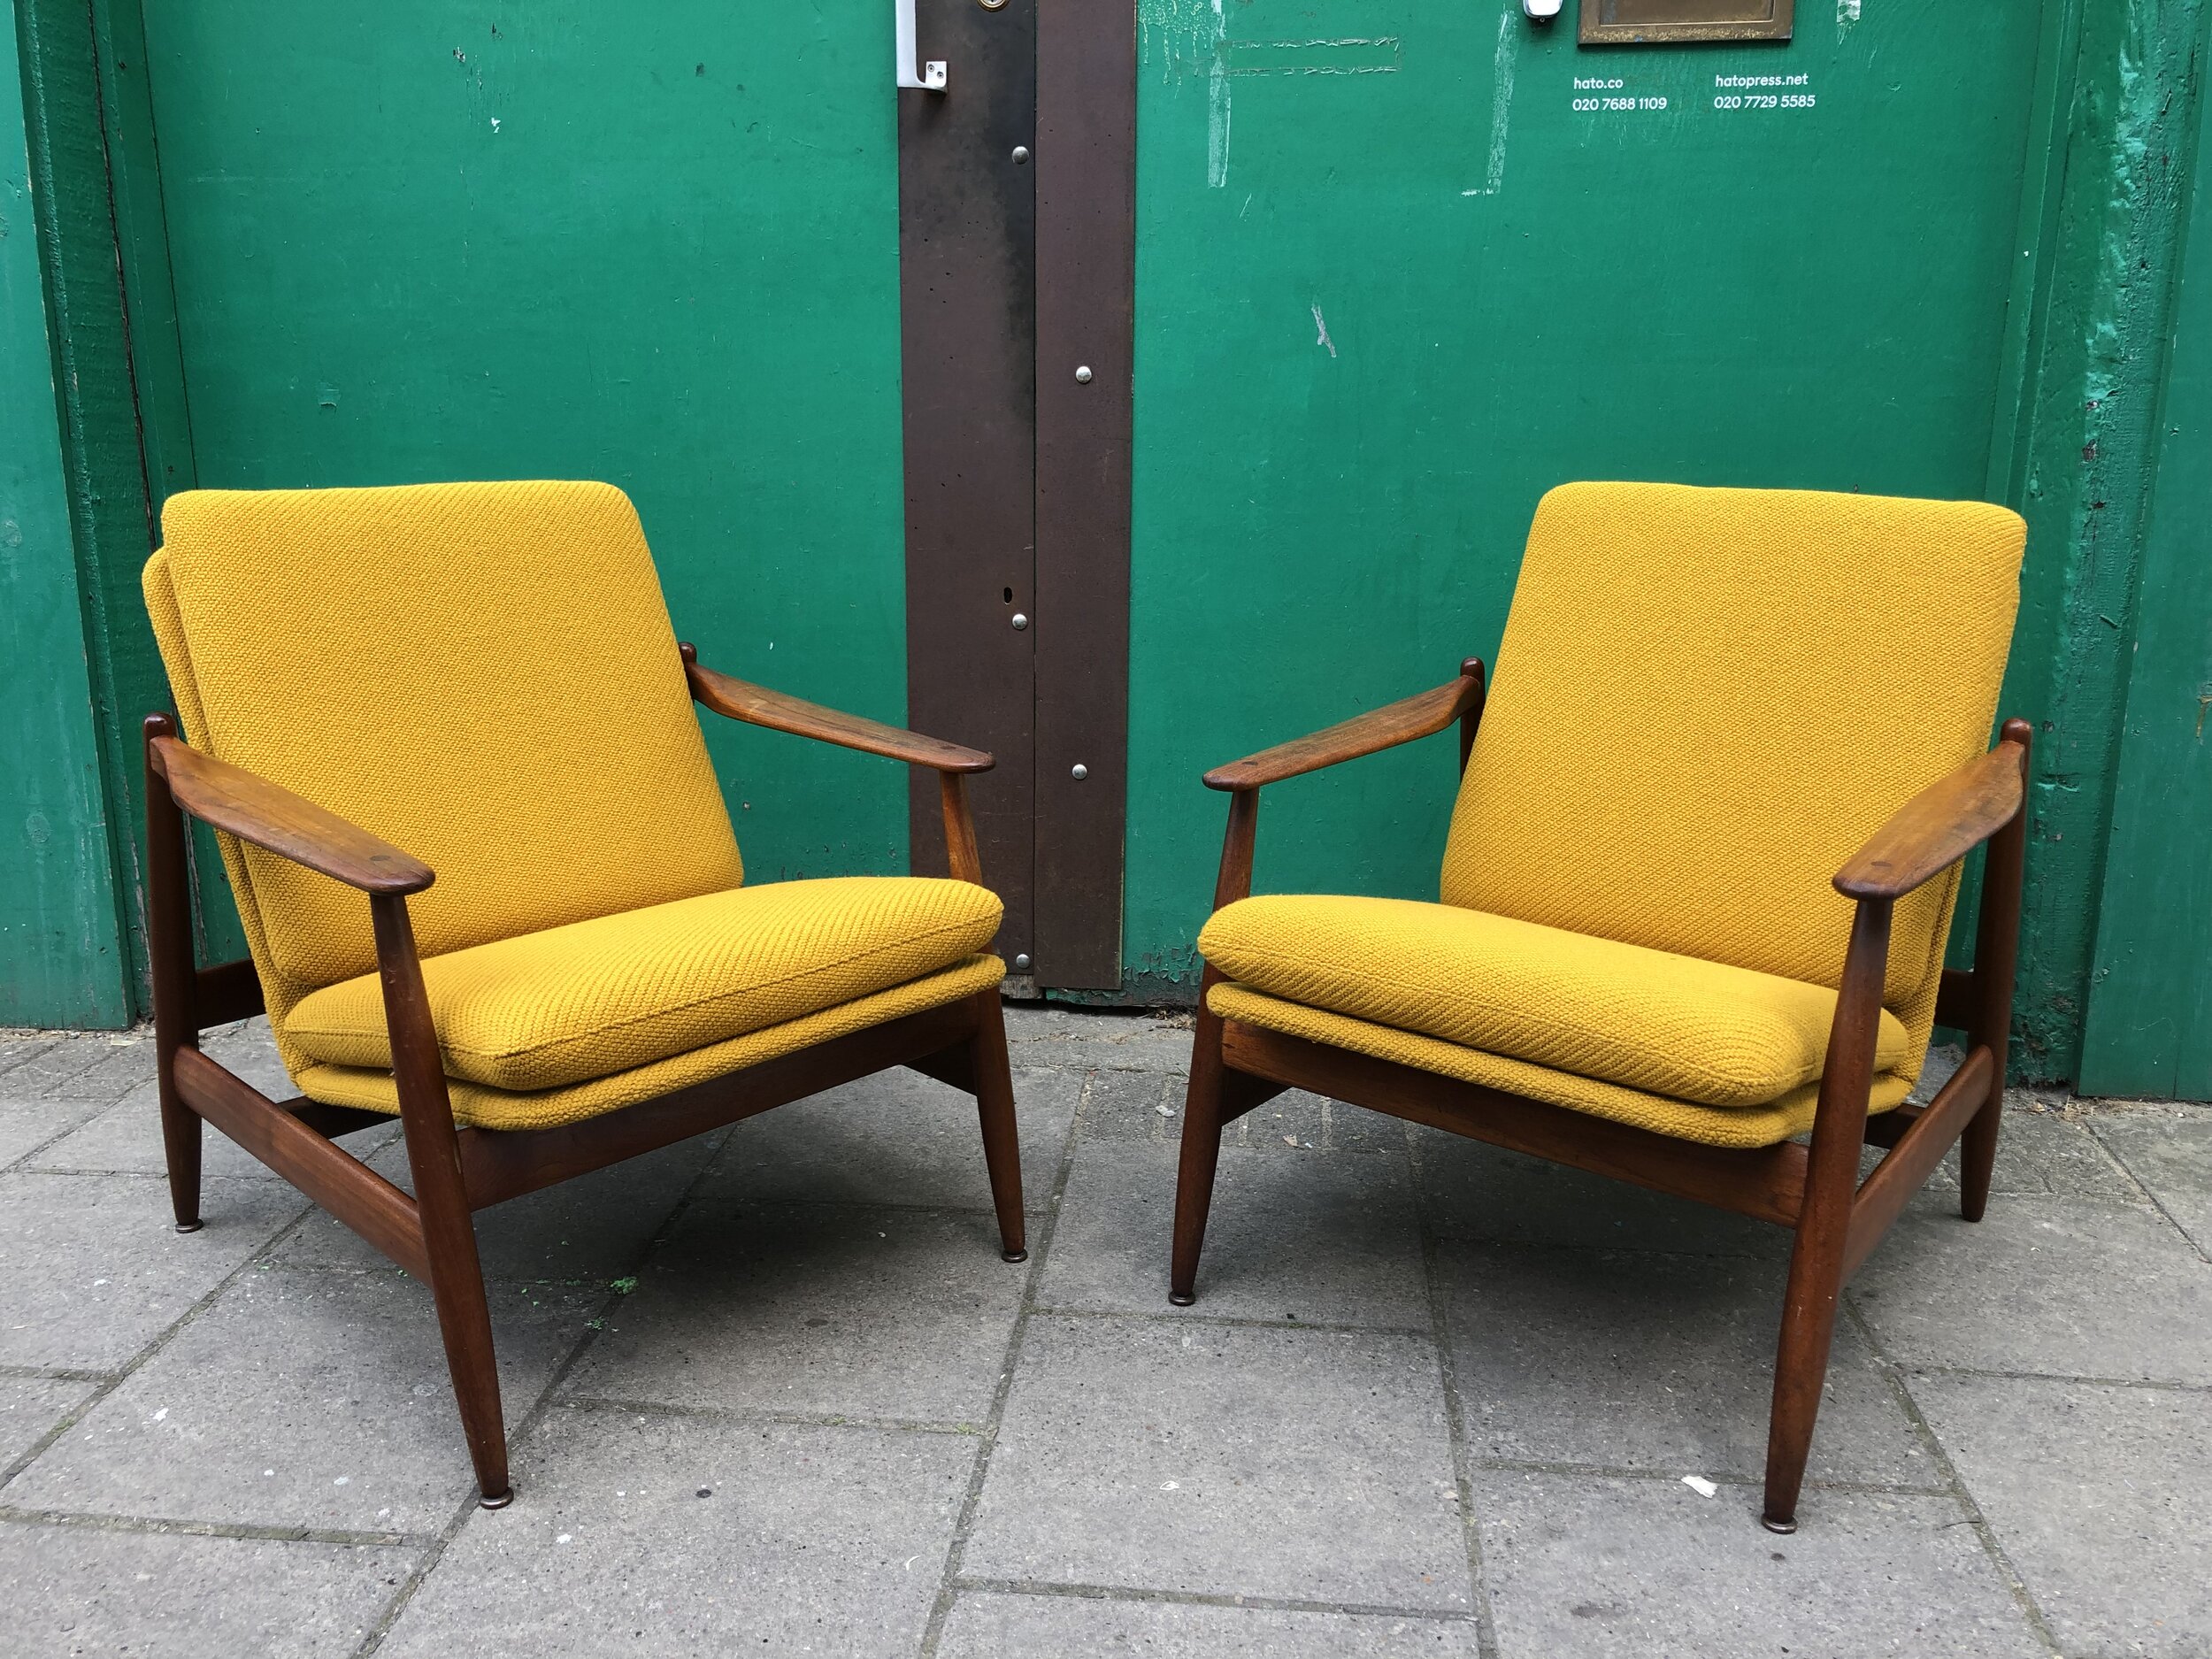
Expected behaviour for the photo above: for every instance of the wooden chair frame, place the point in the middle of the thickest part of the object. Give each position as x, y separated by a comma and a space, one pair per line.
1813, 1190
458, 1170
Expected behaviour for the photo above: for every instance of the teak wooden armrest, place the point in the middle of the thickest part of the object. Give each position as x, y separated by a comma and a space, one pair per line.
272, 817
1416, 717
1939, 826
756, 705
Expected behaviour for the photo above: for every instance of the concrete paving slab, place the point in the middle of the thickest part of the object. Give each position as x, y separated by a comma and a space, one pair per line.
300, 1398
1474, 1191
2097, 1495
2041, 1151
80, 1590
825, 1310
28, 1123
1086, 1040
2171, 1155
30, 1407
1646, 1361
126, 1137
95, 1269
1584, 1568
1322, 1238
2057, 1286
1293, 1121
1126, 1106
91, 1065
672, 1535
895, 1138
589, 1230
1309, 1465
19, 1047
993, 1626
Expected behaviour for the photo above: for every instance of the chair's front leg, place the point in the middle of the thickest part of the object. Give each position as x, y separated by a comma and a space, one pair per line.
1202, 1102
169, 949
434, 1153
1001, 1139
1823, 1221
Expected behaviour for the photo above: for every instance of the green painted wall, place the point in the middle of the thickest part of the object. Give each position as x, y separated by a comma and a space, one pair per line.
61, 949
2082, 475
2149, 1025
658, 249
1396, 284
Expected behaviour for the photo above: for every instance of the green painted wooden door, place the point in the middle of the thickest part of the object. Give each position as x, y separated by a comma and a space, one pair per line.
654, 245
2149, 1026
1403, 267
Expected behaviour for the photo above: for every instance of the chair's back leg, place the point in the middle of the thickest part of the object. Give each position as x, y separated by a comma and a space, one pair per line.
1823, 1221
994, 1107
434, 1153
169, 948
1996, 950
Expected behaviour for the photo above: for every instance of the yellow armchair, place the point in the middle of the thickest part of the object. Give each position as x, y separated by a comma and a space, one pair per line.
1697, 889
564, 967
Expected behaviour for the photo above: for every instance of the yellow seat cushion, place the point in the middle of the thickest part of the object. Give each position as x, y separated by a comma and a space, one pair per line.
572, 1004
478, 1107
1701, 1032
1714, 1126
1706, 700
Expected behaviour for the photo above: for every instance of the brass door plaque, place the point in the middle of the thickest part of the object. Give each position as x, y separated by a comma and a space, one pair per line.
1652, 22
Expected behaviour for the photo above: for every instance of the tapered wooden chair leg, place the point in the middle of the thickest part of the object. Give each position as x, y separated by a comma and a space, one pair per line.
1001, 1139
1801, 1372
181, 1145
1978, 1156
464, 1320
1202, 1156
169, 950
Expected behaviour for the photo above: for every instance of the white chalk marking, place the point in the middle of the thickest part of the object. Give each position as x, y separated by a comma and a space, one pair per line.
1846, 14
1217, 108
1321, 339
1501, 104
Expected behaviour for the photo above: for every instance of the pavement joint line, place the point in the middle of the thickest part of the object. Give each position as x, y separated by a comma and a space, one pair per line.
87, 1521
614, 1407
1455, 1417
2156, 1384
535, 1413
971, 1501
1847, 1308
1185, 1320
113, 1380
2149, 1192
1202, 1598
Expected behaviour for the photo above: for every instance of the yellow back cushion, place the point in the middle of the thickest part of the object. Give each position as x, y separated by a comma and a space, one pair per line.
1705, 702
482, 674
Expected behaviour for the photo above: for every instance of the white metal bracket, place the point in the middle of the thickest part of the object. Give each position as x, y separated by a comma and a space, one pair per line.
932, 78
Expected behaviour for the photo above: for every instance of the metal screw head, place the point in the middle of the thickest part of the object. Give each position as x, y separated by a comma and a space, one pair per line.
1079, 772
1021, 154
991, 5
1020, 622
1083, 376
1021, 963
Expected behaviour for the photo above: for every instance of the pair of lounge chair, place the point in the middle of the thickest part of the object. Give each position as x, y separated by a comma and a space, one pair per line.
1694, 903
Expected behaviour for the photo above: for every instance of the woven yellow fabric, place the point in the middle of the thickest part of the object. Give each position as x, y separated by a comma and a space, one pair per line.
478, 1106
1715, 1126
582, 1002
1648, 1021
1706, 701
482, 674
